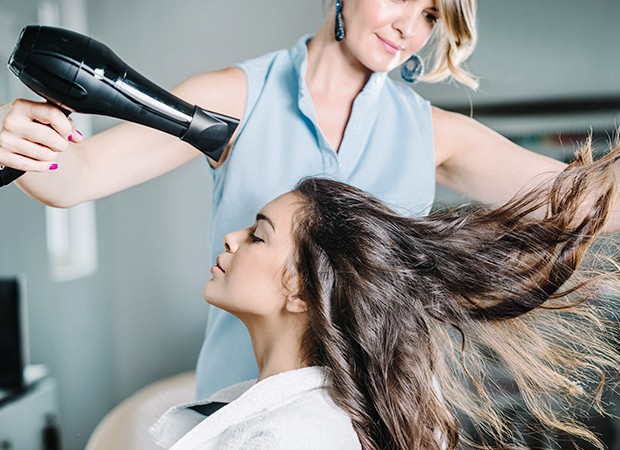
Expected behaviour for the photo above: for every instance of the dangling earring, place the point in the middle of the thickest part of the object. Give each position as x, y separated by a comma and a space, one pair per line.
412, 70
339, 23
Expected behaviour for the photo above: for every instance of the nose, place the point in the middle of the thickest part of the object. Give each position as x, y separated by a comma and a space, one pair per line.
231, 241
409, 20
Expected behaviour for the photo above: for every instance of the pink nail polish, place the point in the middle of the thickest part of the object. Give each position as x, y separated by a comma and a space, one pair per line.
70, 138
79, 132
54, 166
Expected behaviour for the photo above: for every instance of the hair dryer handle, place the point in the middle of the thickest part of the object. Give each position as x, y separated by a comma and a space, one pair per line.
8, 175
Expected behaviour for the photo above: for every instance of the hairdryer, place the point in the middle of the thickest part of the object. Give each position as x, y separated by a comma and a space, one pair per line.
79, 74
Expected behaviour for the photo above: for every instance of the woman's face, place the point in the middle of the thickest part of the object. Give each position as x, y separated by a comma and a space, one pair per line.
382, 34
248, 278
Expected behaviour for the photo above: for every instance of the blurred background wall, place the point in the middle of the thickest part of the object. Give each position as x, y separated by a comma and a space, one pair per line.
140, 316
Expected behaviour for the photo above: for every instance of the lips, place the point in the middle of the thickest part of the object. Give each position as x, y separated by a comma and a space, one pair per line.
391, 47
218, 265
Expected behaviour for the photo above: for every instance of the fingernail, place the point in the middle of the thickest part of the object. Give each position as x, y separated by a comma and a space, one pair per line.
70, 138
54, 166
79, 132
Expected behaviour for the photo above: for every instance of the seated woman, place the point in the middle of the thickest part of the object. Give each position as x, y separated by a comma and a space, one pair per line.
373, 330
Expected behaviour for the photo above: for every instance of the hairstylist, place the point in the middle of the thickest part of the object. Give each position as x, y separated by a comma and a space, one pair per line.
324, 107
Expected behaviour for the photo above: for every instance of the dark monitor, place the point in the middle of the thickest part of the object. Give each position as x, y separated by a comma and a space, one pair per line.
13, 334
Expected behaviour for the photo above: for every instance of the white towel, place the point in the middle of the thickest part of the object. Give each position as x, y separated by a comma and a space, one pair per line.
291, 410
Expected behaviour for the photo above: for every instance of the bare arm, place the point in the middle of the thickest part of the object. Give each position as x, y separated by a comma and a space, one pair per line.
477, 161
118, 158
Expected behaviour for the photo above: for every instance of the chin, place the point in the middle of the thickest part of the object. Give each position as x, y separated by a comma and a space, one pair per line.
383, 67
207, 295
214, 303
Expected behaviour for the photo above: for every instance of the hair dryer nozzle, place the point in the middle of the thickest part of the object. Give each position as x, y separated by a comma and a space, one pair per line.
208, 130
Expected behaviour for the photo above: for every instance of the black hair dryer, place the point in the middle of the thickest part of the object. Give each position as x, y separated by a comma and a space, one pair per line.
79, 74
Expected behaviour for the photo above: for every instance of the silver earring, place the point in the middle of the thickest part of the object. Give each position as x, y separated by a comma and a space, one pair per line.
339, 23
412, 69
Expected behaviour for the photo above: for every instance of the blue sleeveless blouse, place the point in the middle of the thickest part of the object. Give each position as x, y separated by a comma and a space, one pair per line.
387, 149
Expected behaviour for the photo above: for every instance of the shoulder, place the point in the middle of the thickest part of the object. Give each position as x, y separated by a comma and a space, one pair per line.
454, 133
406, 93
311, 420
289, 410
222, 90
446, 119
457, 135
406, 105
284, 58
262, 63
226, 90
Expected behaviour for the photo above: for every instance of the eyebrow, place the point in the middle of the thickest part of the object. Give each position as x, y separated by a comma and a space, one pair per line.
260, 216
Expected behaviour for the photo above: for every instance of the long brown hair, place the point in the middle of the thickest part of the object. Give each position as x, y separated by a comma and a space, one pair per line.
407, 313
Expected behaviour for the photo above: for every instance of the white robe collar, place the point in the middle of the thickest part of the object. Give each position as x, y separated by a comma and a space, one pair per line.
246, 399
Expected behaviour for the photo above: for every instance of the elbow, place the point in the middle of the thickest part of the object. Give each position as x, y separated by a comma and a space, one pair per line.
47, 198
59, 203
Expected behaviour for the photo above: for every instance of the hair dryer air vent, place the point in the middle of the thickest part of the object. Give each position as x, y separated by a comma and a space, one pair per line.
18, 57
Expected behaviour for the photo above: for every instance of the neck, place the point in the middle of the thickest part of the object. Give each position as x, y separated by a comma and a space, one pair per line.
277, 346
331, 67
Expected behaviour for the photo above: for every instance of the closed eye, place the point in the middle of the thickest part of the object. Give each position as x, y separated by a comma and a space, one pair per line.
255, 239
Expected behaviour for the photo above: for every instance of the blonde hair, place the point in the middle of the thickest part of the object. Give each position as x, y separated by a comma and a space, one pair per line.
453, 41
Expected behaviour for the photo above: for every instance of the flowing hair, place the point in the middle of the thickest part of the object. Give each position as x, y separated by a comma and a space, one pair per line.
452, 43
414, 316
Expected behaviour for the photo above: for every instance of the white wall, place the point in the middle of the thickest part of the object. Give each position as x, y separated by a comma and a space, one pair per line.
532, 49
69, 322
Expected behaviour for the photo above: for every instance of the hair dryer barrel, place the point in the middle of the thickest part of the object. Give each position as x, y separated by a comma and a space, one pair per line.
79, 74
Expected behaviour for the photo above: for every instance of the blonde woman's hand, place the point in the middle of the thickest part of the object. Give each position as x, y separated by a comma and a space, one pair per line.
32, 134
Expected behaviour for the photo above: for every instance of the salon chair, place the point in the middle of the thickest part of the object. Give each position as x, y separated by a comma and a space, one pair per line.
126, 426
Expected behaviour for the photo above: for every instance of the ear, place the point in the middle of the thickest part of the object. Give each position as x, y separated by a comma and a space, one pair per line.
295, 304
